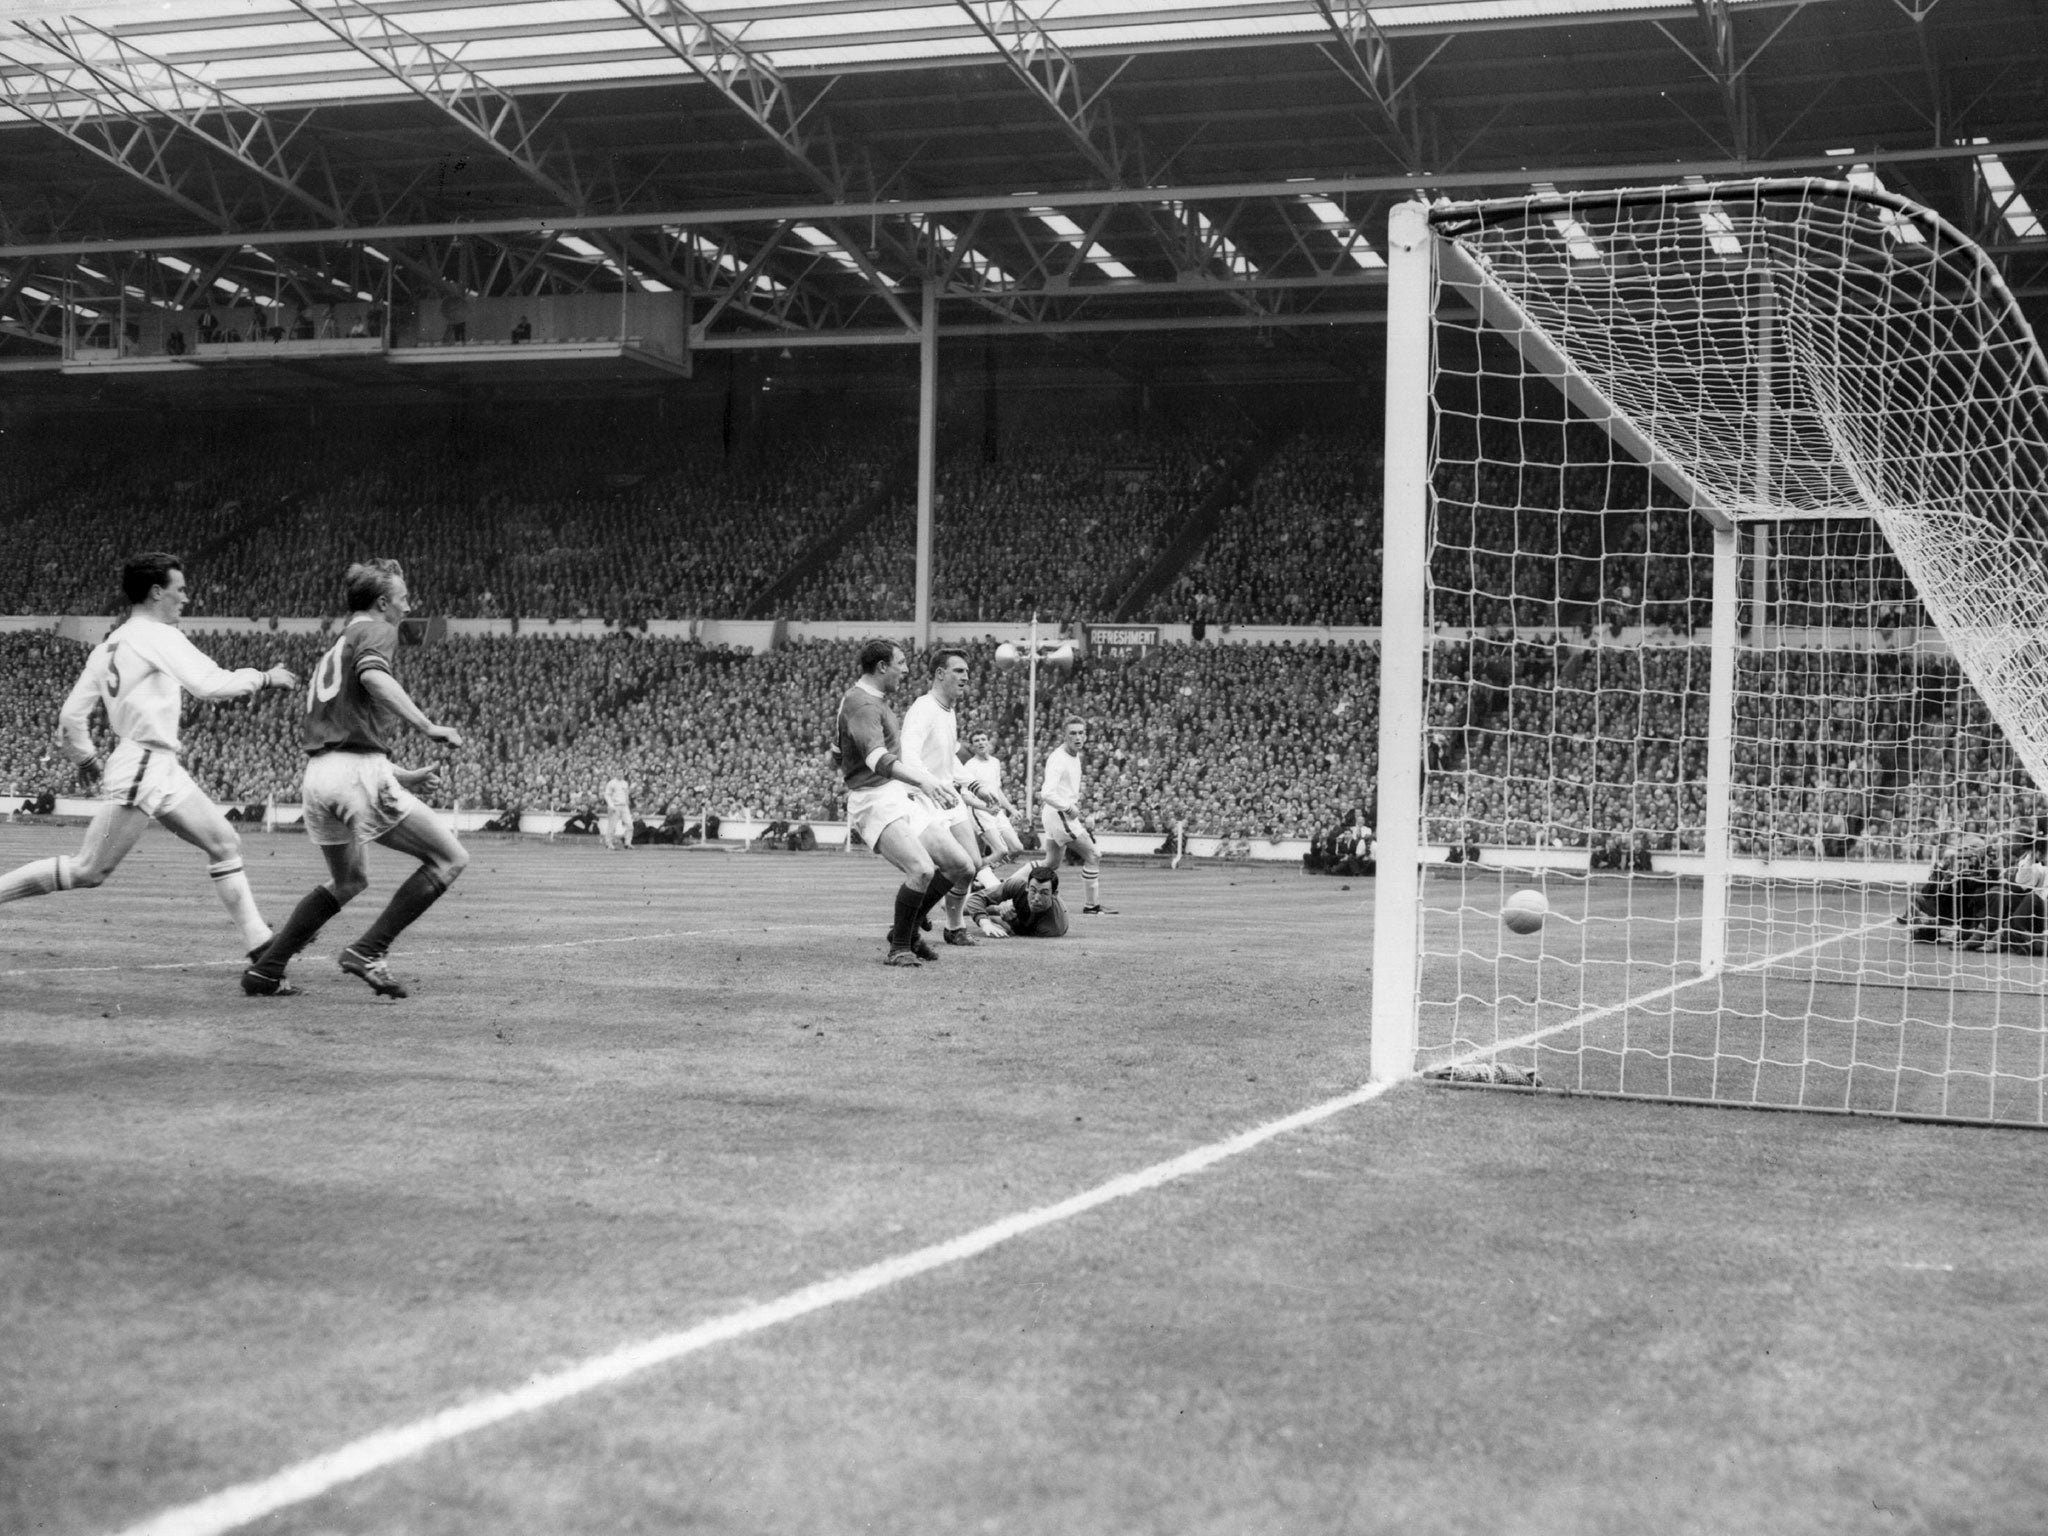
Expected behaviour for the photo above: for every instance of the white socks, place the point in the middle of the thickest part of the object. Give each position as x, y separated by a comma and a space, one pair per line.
235, 895
40, 878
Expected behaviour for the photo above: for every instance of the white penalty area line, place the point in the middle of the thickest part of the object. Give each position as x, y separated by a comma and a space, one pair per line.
233, 1508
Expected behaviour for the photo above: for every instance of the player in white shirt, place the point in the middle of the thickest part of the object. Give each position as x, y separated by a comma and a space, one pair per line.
982, 774
1059, 813
139, 673
931, 739
617, 827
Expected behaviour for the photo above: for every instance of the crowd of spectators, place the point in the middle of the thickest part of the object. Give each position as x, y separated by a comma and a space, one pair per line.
1239, 741
1878, 753
1531, 743
608, 511
571, 515
1302, 548
1547, 548
1058, 522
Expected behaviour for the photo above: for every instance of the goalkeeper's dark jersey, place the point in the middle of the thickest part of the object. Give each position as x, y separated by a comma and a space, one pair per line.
1010, 905
341, 714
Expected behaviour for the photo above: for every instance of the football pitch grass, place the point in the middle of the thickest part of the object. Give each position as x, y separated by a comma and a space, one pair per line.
1093, 1235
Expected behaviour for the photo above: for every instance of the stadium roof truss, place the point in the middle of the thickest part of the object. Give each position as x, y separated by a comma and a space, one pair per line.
803, 170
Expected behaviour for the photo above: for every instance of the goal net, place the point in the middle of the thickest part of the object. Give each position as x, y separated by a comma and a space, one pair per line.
1717, 612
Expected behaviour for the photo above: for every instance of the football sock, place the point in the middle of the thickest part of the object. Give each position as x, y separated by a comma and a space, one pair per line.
909, 902
422, 888
955, 899
37, 879
1091, 882
987, 879
307, 919
233, 886
934, 893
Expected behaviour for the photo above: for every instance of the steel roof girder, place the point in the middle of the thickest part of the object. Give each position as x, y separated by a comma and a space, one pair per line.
1038, 60
1364, 55
123, 138
492, 115
750, 83
1727, 66
249, 135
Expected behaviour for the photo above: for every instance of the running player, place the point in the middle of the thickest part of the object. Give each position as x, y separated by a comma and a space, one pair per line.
617, 826
138, 672
1059, 811
982, 773
931, 738
901, 826
354, 795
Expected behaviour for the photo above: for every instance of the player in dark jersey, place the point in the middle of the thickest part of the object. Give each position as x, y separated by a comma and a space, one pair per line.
1986, 893
1027, 905
353, 793
903, 827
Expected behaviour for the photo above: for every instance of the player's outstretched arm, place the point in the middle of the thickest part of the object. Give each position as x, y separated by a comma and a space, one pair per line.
390, 692
204, 678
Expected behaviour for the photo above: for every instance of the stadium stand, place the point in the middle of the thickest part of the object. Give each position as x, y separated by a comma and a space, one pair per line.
595, 512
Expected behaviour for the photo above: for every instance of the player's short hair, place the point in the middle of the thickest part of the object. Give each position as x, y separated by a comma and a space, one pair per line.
941, 657
876, 653
368, 581
1073, 720
143, 573
980, 731
1044, 873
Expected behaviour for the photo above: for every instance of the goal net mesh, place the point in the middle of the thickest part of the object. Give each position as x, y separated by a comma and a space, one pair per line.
1841, 379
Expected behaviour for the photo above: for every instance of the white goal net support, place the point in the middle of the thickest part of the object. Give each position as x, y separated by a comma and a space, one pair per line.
1716, 611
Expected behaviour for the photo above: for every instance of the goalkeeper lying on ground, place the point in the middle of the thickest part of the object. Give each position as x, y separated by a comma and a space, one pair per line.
1027, 905
1986, 893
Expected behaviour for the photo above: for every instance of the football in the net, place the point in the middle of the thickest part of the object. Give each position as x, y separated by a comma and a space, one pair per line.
1525, 911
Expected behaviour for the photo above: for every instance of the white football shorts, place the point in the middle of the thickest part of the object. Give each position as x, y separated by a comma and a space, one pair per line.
1000, 832
353, 797
1060, 827
148, 778
871, 812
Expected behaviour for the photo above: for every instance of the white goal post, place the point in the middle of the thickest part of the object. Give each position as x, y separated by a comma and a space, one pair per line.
1716, 609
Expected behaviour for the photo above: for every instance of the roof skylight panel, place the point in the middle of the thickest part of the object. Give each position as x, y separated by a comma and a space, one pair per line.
831, 249
1343, 228
1075, 236
2019, 216
972, 259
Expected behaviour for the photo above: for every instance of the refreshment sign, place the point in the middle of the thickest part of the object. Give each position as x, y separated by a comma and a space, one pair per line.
1122, 642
